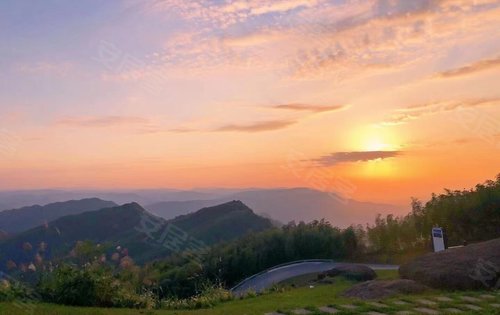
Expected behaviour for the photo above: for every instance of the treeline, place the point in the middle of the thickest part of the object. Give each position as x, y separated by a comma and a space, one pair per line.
470, 215
467, 216
227, 264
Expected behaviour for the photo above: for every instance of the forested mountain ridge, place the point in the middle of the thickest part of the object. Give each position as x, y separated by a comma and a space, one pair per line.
288, 204
23, 219
472, 215
124, 227
223, 222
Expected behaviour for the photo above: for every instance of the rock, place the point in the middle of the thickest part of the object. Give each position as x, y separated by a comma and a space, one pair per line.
424, 310
353, 272
328, 310
325, 281
377, 289
472, 267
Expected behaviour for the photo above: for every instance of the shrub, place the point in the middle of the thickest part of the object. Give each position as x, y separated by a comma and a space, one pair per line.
210, 296
69, 286
86, 287
10, 291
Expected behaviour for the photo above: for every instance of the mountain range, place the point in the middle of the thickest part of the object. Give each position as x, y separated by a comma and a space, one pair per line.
22, 198
285, 205
128, 226
18, 220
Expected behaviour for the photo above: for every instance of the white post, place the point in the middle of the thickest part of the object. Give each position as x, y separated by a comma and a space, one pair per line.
438, 239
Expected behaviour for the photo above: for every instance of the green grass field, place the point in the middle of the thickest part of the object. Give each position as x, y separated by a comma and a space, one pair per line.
305, 297
251, 306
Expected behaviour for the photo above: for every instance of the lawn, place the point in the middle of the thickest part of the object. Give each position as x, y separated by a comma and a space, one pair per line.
250, 306
310, 299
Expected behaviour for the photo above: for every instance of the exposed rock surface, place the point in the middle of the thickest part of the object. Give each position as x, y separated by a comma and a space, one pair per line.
353, 272
378, 289
475, 266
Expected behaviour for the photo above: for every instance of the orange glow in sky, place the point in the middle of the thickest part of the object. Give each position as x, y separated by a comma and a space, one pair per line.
392, 98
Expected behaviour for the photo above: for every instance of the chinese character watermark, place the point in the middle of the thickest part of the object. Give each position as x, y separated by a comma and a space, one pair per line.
323, 179
171, 237
484, 126
7, 142
129, 67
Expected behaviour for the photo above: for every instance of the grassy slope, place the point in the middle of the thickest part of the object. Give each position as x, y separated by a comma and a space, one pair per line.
285, 301
252, 306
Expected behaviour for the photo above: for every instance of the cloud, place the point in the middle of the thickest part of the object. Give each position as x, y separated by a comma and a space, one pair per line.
258, 126
227, 13
302, 39
387, 35
254, 39
425, 143
472, 68
59, 69
414, 112
253, 127
281, 6
310, 108
355, 156
102, 121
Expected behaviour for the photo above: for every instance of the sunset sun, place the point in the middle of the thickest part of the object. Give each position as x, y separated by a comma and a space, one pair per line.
376, 144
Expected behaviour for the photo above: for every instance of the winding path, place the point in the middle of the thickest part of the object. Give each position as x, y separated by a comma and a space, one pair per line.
269, 277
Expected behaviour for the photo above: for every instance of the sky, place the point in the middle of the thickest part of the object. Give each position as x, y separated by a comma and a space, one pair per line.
377, 100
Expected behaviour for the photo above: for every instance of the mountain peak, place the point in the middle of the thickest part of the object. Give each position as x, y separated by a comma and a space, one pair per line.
134, 206
236, 205
222, 222
118, 225
225, 208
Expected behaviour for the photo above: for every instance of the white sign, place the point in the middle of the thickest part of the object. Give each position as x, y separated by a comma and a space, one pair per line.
438, 239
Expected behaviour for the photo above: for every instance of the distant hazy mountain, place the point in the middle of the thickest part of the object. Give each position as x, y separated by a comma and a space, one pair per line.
18, 220
282, 204
171, 209
119, 226
303, 204
285, 205
18, 199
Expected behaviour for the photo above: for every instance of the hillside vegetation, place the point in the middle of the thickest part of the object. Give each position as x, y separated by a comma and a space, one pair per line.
302, 298
238, 244
466, 215
121, 227
473, 214
223, 222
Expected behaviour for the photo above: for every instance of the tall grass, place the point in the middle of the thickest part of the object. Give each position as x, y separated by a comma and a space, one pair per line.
210, 296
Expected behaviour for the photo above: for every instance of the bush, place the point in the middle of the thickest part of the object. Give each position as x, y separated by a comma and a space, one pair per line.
69, 286
12, 291
210, 296
85, 287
